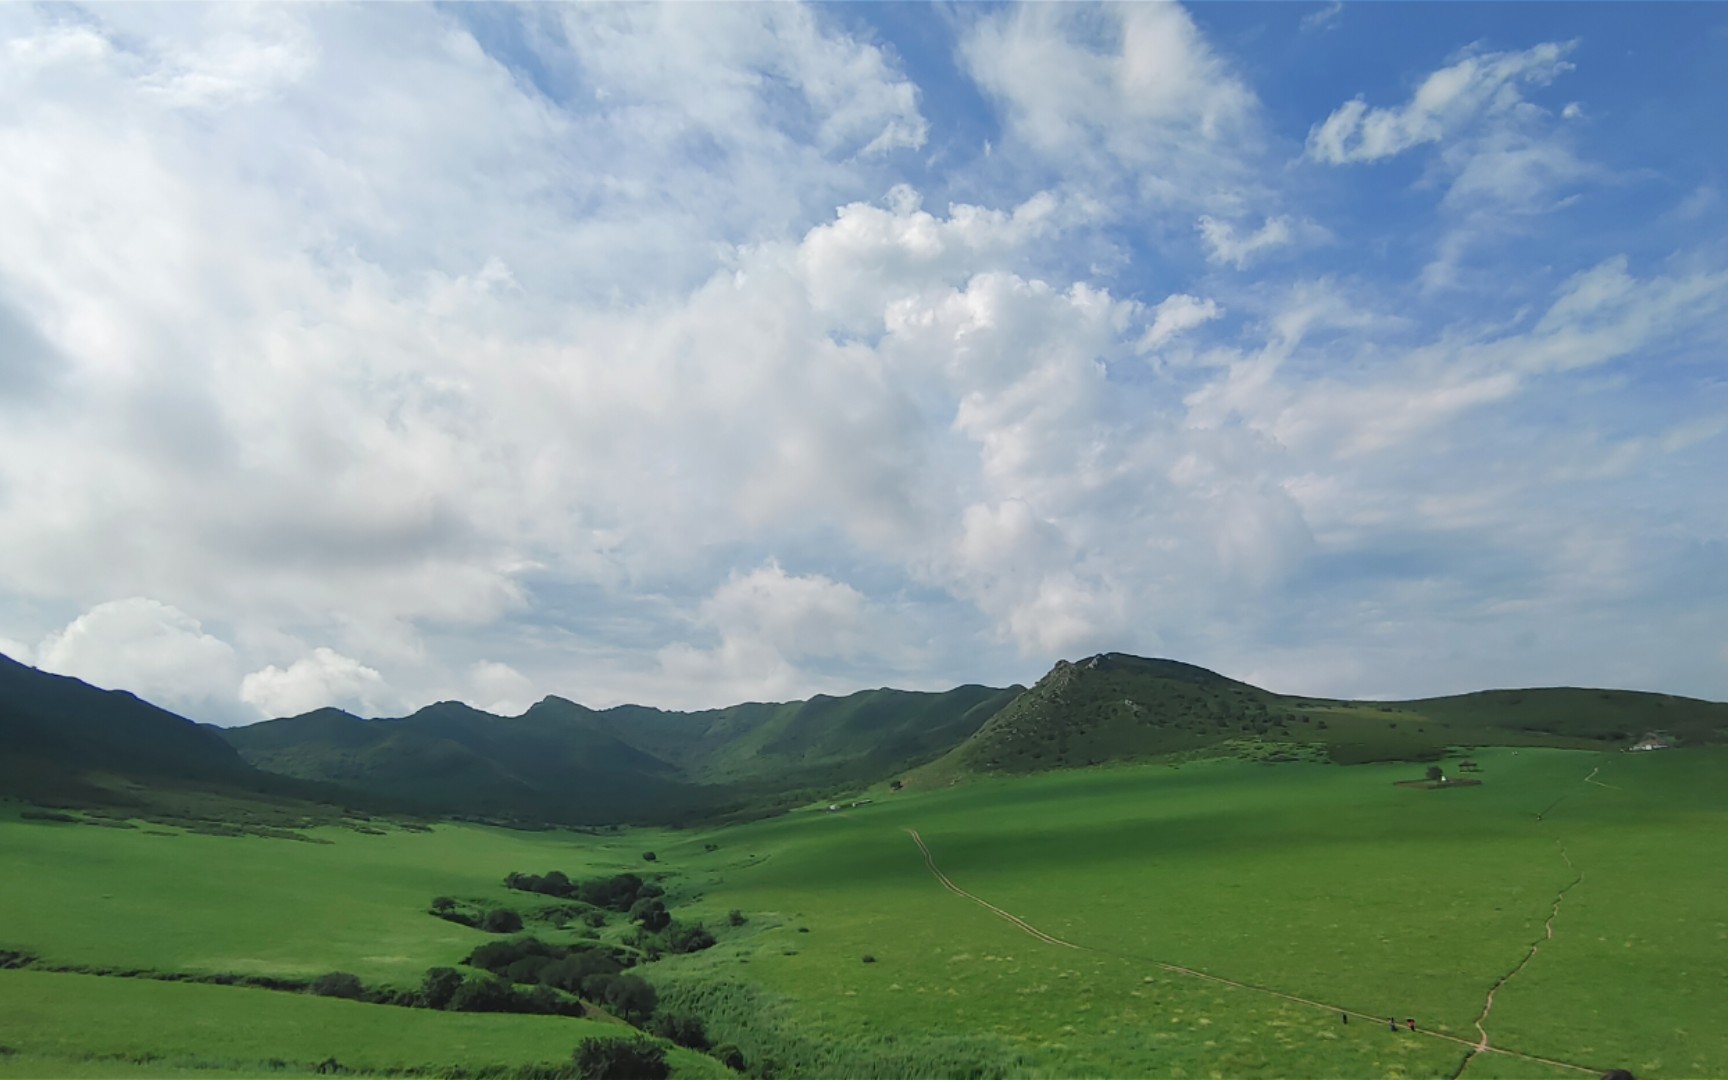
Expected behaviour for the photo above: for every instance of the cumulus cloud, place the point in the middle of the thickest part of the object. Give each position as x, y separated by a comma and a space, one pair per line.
769, 624
325, 678
150, 648
633, 353
498, 688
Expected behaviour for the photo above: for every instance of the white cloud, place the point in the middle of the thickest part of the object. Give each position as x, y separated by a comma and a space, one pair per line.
1228, 246
150, 648
500, 367
325, 678
1122, 93
1176, 315
770, 624
499, 689
1448, 101
1325, 18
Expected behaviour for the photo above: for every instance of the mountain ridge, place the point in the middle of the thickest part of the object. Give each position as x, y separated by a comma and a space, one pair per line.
562, 762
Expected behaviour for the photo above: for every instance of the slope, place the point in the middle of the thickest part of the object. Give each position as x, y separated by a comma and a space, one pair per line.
563, 762
65, 742
1114, 707
550, 764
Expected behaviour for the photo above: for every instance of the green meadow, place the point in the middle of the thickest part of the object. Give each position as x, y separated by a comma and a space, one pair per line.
1297, 881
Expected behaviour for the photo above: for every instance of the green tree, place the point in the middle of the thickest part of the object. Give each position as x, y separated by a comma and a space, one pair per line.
1435, 772
631, 998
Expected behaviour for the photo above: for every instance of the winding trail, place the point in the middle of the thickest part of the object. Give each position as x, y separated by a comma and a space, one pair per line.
1481, 1045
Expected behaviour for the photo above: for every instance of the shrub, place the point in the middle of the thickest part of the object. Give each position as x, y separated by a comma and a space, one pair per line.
496, 956
338, 984
443, 905
595, 918
501, 921
688, 939
439, 987
528, 969
682, 1029
488, 993
651, 913
730, 1056
868, 959
611, 1057
735, 917
649, 856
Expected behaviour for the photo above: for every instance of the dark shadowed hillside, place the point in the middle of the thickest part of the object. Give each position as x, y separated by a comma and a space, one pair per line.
563, 762
63, 740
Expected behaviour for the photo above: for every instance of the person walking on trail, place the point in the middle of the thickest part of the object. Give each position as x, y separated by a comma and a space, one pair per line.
1344, 1016
1411, 1021
1391, 1023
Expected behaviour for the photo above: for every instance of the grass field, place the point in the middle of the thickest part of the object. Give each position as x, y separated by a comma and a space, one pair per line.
1318, 881
55, 1021
1325, 882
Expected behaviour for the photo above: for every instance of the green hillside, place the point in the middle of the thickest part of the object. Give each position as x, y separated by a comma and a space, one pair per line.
70, 726
550, 764
563, 762
1114, 707
861, 736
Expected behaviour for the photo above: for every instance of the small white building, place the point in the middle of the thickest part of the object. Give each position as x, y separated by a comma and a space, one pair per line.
1652, 741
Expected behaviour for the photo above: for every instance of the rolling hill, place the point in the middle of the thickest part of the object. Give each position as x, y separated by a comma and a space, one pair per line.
1114, 707
563, 762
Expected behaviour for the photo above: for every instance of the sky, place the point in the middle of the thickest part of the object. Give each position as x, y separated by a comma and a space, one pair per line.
371, 355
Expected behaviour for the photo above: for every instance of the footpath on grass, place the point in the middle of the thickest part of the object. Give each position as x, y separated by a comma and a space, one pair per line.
1471, 1048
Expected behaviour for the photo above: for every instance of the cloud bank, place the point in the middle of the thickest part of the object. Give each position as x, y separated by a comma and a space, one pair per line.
367, 356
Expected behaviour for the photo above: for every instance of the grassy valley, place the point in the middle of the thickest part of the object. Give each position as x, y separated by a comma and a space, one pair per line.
1133, 868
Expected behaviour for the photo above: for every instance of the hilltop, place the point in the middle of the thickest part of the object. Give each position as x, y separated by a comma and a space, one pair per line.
1114, 707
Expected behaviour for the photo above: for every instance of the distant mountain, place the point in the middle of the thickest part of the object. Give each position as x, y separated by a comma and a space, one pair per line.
1113, 707
61, 738
55, 718
564, 762
550, 764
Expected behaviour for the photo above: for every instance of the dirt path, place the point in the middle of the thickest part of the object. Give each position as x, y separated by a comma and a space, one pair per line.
1482, 1045
1591, 779
1472, 1048
947, 883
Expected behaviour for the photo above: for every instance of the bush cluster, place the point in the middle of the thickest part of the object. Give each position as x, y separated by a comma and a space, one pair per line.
617, 893
492, 920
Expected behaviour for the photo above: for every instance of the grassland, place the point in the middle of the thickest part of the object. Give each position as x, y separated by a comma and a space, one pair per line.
1319, 881
71, 1023
1325, 882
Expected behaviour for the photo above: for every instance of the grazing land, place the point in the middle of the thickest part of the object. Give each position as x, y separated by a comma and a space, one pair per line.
1310, 889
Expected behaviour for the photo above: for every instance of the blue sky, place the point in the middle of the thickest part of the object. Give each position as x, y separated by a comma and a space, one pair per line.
374, 355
